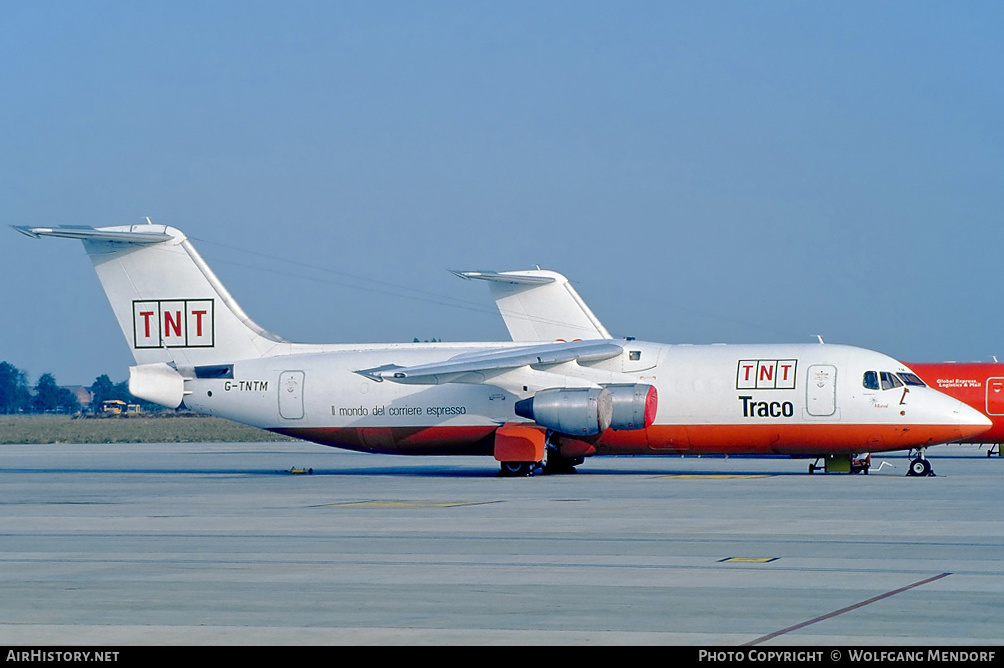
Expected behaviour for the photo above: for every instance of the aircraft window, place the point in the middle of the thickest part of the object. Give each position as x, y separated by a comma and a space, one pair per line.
634, 355
890, 380
912, 379
870, 381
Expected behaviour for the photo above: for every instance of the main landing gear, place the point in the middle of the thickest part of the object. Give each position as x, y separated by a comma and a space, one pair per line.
518, 469
552, 463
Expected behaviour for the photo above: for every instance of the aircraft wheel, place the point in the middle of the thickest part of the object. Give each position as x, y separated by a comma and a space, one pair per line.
556, 464
517, 469
920, 467
559, 467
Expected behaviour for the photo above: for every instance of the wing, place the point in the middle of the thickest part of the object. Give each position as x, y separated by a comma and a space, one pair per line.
573, 387
482, 366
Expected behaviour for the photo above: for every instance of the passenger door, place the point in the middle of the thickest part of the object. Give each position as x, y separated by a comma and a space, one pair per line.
821, 390
291, 395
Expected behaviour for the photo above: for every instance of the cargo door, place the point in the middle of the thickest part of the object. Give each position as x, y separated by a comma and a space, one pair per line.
291, 395
821, 390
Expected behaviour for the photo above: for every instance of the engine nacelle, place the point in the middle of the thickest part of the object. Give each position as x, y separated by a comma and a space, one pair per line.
580, 411
634, 406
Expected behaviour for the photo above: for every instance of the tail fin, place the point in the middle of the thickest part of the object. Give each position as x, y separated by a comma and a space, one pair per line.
169, 304
540, 305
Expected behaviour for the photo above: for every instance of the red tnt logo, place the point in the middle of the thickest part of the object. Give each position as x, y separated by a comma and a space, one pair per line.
766, 375
176, 323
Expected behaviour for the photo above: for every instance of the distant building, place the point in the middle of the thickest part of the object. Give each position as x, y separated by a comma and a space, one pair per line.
83, 395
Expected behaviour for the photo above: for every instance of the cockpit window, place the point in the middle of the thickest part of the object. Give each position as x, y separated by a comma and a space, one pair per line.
870, 381
890, 380
912, 379
887, 380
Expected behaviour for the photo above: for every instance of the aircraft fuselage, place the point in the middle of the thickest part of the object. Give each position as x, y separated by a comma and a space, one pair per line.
562, 390
726, 399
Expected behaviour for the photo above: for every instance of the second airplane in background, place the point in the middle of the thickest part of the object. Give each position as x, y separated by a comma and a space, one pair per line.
977, 384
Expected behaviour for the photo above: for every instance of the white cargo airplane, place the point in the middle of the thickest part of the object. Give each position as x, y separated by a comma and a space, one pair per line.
533, 403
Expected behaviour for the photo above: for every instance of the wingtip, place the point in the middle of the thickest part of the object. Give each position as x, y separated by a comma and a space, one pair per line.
26, 231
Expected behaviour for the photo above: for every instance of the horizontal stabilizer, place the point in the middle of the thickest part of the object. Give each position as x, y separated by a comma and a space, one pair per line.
91, 234
513, 277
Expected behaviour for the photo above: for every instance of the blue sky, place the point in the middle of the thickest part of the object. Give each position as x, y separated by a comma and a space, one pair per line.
703, 171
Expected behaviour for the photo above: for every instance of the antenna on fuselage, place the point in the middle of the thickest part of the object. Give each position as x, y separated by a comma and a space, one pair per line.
820, 337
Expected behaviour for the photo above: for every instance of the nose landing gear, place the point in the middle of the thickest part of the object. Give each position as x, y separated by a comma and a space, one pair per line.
919, 464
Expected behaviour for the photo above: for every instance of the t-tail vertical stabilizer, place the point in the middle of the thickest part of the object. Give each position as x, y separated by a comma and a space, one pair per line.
174, 313
540, 305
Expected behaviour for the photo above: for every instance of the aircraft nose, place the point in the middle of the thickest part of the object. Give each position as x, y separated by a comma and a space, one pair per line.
971, 421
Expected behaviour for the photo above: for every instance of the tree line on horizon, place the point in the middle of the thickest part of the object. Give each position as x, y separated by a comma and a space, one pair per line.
46, 396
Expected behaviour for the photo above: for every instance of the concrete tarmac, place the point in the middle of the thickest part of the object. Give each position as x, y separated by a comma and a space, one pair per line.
231, 544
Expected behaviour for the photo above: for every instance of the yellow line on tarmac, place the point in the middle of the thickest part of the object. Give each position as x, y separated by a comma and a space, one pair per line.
716, 476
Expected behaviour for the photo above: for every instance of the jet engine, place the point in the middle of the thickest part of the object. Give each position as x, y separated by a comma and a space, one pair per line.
634, 406
590, 411
580, 411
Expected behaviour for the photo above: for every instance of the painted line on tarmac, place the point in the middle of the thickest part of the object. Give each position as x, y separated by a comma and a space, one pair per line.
847, 609
718, 476
388, 503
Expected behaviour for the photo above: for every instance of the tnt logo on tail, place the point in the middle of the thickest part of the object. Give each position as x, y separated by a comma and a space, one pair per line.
174, 323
